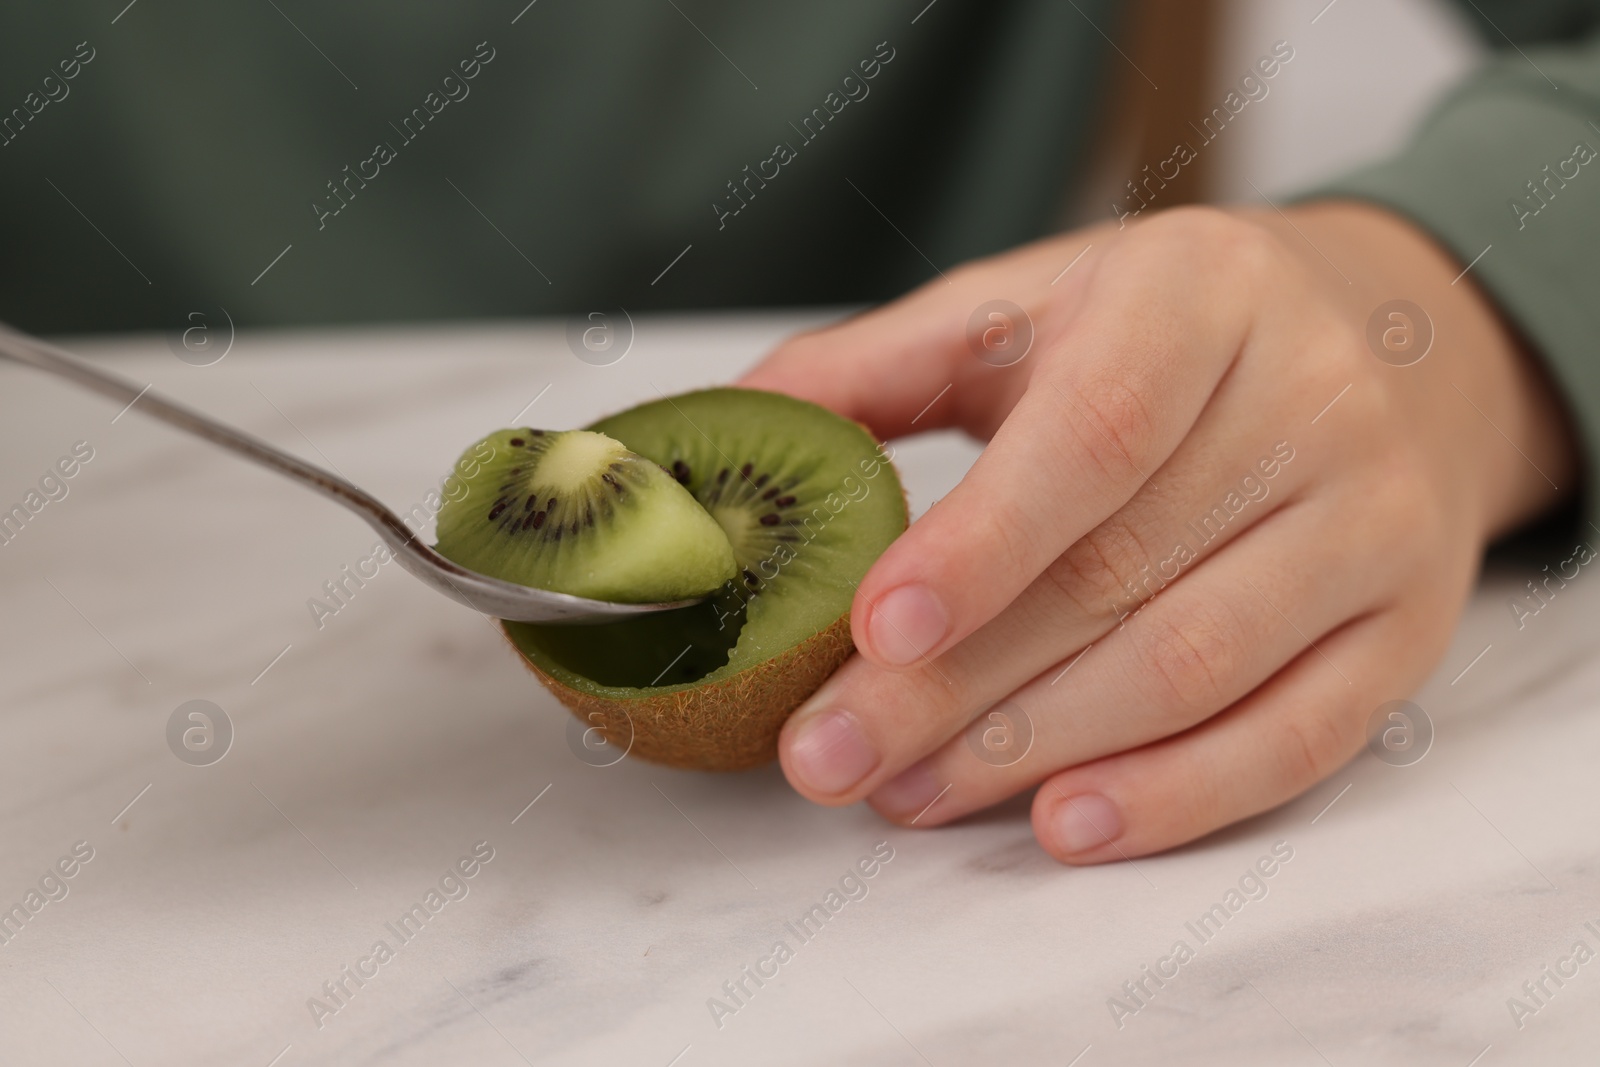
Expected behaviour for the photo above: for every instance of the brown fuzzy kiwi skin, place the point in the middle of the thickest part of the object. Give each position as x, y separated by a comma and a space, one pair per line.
732, 725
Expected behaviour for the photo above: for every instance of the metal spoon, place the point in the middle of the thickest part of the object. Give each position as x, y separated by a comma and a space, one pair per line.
493, 597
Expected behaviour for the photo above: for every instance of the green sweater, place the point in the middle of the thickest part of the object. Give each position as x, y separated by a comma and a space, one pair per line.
304, 163
507, 158
1506, 174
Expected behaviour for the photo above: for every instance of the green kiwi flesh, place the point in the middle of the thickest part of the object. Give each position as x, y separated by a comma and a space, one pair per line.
807, 500
577, 512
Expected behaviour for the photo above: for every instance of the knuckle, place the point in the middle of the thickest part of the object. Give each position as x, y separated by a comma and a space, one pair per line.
1251, 252
1346, 347
1313, 745
1406, 496
1091, 573
1334, 355
1121, 425
908, 713
1206, 801
1190, 661
1008, 533
1197, 223
936, 701
1237, 247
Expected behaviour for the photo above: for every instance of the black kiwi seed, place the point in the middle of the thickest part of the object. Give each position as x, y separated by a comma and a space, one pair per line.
770, 520
722, 476
532, 503
537, 433
516, 442
680, 471
496, 511
762, 480
745, 471
538, 519
770, 493
784, 502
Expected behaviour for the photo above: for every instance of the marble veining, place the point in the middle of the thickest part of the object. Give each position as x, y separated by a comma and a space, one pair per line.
372, 752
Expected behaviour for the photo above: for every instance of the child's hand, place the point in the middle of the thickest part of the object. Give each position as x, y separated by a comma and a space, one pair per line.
1199, 434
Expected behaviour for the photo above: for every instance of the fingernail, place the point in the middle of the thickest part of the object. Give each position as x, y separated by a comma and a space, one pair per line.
907, 793
1084, 822
906, 624
831, 753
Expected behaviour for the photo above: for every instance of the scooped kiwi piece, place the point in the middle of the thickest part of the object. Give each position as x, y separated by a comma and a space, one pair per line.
577, 512
808, 500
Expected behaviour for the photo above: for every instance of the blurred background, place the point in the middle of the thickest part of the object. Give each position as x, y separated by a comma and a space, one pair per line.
210, 156
1363, 76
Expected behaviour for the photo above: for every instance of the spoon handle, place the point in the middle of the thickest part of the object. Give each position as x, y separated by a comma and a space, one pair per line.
47, 357
504, 600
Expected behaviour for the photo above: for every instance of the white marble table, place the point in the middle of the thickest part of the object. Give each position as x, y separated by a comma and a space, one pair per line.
374, 753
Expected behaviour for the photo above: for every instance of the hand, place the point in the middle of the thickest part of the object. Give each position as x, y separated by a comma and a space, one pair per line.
1210, 534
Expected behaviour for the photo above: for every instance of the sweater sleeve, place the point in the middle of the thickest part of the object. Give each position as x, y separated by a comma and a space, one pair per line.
1506, 174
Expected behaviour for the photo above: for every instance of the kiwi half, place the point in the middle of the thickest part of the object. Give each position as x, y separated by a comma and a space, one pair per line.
807, 500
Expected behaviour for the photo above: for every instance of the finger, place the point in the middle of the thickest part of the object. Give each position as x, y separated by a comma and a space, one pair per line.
1267, 749
1117, 390
1193, 649
908, 366
888, 720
